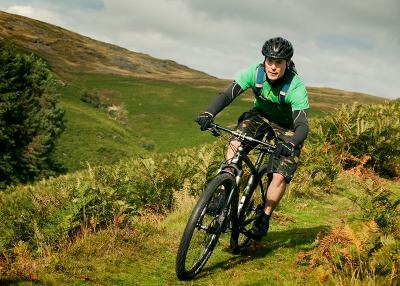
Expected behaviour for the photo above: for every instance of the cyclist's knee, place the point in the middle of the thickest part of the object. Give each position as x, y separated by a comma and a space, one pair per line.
234, 145
232, 149
278, 178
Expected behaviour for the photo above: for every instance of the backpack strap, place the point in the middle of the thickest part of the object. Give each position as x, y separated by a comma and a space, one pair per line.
287, 81
284, 89
261, 77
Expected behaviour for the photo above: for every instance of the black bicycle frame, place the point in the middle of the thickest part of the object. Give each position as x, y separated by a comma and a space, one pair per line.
237, 161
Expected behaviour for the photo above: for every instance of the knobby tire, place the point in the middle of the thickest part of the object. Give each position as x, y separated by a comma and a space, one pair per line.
197, 223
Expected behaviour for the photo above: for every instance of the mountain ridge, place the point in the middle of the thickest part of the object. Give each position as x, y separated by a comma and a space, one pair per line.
67, 52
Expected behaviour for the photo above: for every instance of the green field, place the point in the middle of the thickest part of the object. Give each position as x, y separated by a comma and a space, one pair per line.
161, 118
149, 259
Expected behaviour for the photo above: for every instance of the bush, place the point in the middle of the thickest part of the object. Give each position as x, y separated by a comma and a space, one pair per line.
46, 213
365, 250
317, 171
106, 101
357, 254
365, 135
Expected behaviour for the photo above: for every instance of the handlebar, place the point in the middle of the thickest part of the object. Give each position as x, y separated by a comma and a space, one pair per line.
215, 130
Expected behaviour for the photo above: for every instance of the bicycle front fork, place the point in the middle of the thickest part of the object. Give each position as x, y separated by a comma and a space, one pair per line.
246, 193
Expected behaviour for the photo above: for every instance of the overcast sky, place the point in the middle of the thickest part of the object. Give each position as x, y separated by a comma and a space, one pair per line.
346, 44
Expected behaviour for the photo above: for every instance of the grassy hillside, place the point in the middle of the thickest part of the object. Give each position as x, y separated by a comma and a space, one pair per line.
119, 223
323, 99
160, 98
160, 118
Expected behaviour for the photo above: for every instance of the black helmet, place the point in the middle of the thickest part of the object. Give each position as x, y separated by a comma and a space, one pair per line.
278, 48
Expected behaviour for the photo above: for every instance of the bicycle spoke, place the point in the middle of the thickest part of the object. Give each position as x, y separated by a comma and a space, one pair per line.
204, 228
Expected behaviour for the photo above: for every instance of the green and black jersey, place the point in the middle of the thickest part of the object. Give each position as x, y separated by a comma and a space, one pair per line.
290, 114
268, 101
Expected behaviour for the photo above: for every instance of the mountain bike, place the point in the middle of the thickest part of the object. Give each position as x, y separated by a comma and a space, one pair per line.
231, 201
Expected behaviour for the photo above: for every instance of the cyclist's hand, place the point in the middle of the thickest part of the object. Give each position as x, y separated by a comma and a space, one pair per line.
204, 120
284, 149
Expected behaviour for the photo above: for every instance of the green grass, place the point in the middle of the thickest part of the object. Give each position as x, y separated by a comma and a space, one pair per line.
145, 255
144, 252
91, 136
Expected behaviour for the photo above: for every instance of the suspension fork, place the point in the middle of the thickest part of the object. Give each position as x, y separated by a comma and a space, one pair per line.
236, 165
233, 193
258, 164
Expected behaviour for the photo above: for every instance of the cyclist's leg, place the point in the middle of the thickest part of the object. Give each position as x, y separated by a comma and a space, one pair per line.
280, 170
232, 149
275, 192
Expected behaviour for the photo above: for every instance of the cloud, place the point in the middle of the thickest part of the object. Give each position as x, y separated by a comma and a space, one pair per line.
39, 14
348, 44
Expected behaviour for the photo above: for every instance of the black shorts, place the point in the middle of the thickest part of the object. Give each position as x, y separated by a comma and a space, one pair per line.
253, 123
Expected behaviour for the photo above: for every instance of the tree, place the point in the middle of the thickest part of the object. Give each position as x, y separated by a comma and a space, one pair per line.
30, 119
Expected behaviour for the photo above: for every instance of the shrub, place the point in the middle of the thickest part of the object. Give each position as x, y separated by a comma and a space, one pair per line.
357, 254
365, 250
363, 135
317, 171
46, 213
106, 101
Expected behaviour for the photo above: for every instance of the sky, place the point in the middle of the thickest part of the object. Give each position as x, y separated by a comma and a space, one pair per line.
347, 44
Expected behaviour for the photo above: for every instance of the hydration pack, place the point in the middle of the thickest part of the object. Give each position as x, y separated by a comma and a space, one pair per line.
261, 77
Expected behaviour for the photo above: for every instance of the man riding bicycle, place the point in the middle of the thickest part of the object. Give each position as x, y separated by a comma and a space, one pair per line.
281, 101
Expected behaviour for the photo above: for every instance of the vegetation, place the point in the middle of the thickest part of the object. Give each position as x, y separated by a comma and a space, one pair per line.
366, 135
357, 139
129, 124
363, 250
346, 230
30, 119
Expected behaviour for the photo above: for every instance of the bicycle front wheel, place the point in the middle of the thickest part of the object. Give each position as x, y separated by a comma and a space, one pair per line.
207, 221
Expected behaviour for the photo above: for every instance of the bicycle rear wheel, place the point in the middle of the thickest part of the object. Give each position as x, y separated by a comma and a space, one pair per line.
250, 206
206, 223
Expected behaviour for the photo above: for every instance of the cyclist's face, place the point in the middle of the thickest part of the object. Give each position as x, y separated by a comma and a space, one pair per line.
275, 68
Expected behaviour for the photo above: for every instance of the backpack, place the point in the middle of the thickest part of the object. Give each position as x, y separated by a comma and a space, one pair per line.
261, 77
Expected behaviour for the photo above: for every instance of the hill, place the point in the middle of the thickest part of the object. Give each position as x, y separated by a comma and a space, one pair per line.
88, 55
158, 98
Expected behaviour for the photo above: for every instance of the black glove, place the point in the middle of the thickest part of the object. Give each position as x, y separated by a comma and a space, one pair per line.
204, 120
284, 149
